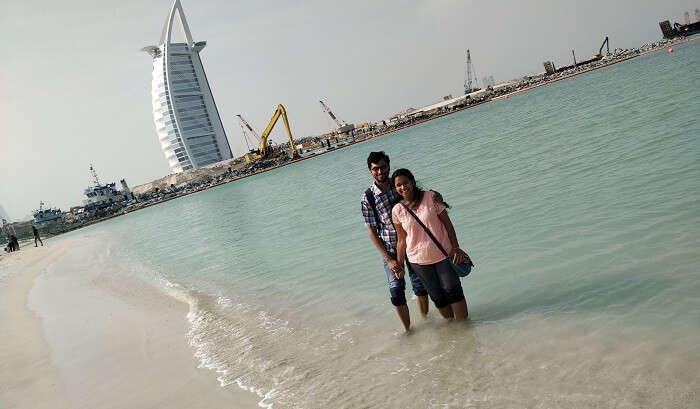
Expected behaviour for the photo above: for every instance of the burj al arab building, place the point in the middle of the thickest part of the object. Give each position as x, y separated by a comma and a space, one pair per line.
187, 121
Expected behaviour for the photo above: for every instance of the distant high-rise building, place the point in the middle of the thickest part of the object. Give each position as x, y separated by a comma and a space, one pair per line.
686, 18
187, 121
697, 15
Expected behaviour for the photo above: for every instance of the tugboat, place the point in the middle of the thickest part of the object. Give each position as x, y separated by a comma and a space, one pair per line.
99, 196
46, 215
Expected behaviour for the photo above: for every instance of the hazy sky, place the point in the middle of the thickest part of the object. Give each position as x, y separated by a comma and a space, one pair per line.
75, 89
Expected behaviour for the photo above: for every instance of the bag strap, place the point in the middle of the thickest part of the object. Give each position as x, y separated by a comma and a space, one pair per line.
369, 194
427, 230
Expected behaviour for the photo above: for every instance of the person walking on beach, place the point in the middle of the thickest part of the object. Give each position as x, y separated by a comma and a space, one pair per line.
423, 254
377, 202
36, 236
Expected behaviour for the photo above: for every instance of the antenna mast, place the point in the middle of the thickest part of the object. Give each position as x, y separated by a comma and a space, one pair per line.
93, 172
471, 75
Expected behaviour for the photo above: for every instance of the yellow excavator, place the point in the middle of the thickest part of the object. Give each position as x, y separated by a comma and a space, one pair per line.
600, 51
265, 151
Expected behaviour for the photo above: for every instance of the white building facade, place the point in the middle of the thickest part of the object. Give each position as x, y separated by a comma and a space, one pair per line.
187, 121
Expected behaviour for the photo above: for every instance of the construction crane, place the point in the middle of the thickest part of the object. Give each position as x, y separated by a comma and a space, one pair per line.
264, 151
245, 137
343, 127
244, 124
471, 76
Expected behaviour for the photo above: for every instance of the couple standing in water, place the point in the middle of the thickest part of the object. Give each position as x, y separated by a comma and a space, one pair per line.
397, 214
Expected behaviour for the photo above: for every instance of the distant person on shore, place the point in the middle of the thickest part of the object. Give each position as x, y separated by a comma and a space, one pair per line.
14, 243
9, 233
36, 236
376, 203
423, 254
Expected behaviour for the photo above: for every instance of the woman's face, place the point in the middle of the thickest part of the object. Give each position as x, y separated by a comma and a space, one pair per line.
404, 187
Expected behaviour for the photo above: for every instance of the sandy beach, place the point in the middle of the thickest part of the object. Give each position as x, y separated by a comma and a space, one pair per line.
72, 340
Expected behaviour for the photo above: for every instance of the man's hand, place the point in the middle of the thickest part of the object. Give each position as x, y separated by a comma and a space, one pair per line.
438, 196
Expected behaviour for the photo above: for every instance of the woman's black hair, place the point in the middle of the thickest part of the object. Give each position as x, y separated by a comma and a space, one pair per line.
418, 191
403, 172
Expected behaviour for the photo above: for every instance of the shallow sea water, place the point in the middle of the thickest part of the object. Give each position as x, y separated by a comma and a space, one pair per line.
578, 201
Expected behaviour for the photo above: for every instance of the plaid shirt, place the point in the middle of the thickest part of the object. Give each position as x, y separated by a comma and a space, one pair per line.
382, 218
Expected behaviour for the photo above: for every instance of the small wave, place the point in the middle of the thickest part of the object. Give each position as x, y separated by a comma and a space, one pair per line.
214, 326
206, 349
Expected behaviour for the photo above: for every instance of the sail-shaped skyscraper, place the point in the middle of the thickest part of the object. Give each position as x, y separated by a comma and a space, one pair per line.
187, 121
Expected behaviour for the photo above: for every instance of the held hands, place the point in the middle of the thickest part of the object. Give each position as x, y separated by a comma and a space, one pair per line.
396, 268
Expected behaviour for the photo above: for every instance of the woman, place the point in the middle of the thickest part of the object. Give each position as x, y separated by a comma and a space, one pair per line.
424, 256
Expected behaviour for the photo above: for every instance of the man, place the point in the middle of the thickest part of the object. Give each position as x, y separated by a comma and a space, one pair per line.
36, 236
377, 202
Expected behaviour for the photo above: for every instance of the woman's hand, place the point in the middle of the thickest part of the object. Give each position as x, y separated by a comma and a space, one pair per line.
398, 268
458, 255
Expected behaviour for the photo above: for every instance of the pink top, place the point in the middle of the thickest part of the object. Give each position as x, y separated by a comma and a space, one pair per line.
420, 248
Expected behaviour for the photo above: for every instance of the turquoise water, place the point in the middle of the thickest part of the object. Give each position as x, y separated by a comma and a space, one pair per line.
578, 201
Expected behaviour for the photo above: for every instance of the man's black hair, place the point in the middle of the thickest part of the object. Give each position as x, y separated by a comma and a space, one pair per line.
376, 157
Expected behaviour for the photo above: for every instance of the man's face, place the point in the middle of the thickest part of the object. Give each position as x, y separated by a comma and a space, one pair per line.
380, 171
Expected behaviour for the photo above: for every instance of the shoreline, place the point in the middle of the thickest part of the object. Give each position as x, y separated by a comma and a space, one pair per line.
82, 339
414, 123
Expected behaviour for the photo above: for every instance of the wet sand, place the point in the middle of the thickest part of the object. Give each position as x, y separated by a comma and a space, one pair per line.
72, 342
